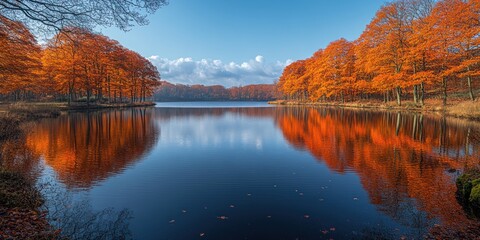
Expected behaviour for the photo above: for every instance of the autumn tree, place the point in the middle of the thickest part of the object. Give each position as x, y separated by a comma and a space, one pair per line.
336, 68
387, 37
61, 61
92, 66
293, 81
19, 59
462, 24
420, 51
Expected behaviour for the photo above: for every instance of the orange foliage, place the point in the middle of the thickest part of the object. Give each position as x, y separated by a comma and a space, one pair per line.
409, 44
74, 64
19, 59
85, 64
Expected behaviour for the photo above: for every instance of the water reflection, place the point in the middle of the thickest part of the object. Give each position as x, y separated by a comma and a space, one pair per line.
402, 159
84, 148
361, 173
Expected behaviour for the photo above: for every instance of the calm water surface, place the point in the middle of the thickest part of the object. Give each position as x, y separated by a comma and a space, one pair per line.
252, 171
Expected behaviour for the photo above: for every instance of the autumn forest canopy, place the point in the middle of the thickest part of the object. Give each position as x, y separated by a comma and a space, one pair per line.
75, 64
411, 48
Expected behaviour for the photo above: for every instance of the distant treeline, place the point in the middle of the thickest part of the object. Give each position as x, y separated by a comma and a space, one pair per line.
179, 92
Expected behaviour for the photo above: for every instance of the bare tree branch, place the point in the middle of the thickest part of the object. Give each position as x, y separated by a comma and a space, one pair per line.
52, 15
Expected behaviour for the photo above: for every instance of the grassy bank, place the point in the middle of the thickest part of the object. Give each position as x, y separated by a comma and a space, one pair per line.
45, 108
19, 214
20, 217
455, 108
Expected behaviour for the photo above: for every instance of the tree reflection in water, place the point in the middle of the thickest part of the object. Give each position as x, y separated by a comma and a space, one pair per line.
76, 219
82, 149
85, 148
407, 163
403, 160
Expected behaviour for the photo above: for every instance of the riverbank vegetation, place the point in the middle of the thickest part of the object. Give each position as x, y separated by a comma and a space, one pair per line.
468, 191
412, 49
20, 201
19, 210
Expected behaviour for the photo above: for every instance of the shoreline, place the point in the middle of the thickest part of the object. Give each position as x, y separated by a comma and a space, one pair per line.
20, 200
469, 110
27, 111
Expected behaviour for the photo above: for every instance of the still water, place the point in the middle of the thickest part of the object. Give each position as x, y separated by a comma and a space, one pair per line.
253, 171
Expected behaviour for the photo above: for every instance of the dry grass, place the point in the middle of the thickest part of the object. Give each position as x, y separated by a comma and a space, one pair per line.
455, 107
467, 109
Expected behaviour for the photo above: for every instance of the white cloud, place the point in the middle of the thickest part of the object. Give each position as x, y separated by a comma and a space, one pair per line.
259, 58
215, 72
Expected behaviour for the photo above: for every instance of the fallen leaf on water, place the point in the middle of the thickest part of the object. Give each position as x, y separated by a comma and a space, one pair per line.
172, 221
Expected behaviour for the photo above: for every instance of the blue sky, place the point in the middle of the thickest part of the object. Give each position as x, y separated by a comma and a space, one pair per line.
240, 42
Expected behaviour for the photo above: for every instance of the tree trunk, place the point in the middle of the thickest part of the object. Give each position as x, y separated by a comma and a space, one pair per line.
415, 94
422, 94
470, 90
70, 94
399, 99
88, 97
444, 84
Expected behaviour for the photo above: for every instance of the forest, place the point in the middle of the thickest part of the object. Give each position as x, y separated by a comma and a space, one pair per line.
412, 49
179, 92
76, 64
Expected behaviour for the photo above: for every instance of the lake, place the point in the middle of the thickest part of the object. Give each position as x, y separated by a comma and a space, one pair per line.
249, 171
